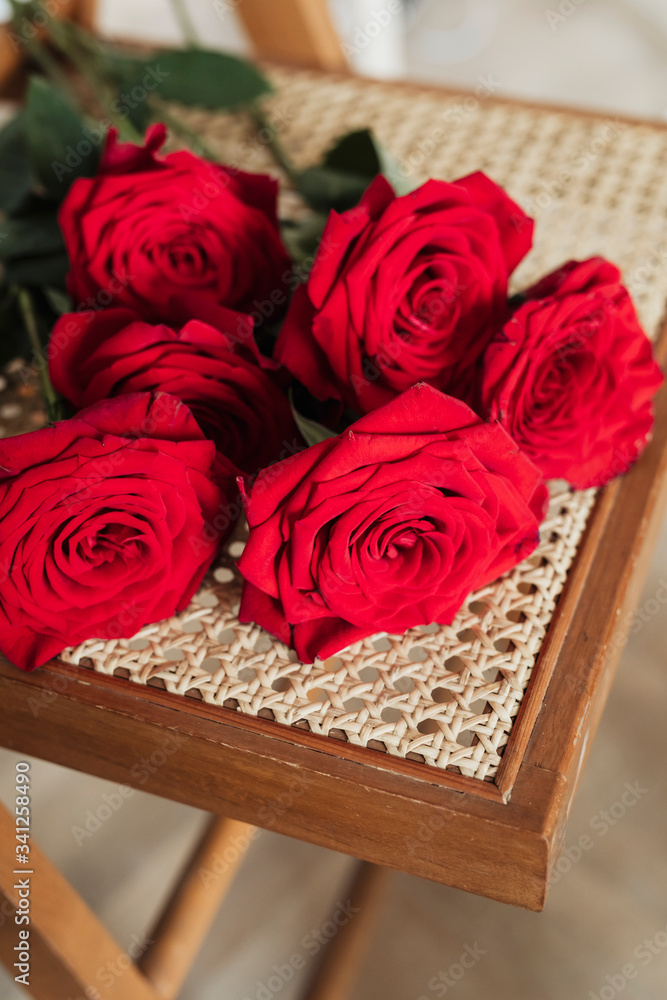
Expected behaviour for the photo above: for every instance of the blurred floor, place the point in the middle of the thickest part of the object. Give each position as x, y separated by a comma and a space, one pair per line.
609, 54
603, 907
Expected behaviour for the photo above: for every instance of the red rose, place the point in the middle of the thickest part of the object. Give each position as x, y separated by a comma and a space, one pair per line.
147, 227
108, 521
388, 526
572, 376
216, 371
405, 290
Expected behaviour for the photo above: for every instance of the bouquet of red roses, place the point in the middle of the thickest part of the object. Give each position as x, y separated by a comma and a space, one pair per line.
386, 418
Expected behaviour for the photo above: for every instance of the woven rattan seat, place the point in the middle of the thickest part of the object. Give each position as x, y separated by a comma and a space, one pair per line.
447, 697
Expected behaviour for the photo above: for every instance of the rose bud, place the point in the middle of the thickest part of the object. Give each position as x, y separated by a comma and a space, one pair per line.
108, 522
571, 376
215, 369
147, 225
405, 289
387, 526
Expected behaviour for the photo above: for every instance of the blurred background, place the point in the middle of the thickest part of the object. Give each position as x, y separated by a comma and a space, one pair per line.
609, 54
607, 899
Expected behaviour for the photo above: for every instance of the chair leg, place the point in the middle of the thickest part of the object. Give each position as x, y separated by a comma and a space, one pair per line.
13, 44
194, 903
85, 13
300, 32
71, 953
342, 958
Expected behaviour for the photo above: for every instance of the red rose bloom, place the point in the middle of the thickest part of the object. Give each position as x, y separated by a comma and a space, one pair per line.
216, 371
405, 290
108, 522
572, 376
148, 227
387, 526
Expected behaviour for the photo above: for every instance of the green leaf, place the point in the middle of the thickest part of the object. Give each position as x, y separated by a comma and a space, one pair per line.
302, 237
311, 431
356, 152
48, 269
125, 73
58, 300
360, 153
60, 146
347, 170
326, 189
31, 235
16, 177
13, 339
210, 79
198, 77
32, 247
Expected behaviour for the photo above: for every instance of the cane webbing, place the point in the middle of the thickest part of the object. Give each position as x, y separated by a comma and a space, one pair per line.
446, 696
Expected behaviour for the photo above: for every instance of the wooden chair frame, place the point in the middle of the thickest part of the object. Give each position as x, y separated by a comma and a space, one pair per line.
298, 32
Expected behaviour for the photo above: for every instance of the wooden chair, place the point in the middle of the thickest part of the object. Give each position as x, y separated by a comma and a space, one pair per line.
352, 799
297, 32
15, 48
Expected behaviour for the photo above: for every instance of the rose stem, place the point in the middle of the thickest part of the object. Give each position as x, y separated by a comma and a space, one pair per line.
273, 144
178, 126
51, 398
185, 23
257, 114
41, 54
62, 37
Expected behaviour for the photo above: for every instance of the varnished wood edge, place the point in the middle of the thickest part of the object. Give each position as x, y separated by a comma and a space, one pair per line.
129, 698
386, 818
548, 657
564, 621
